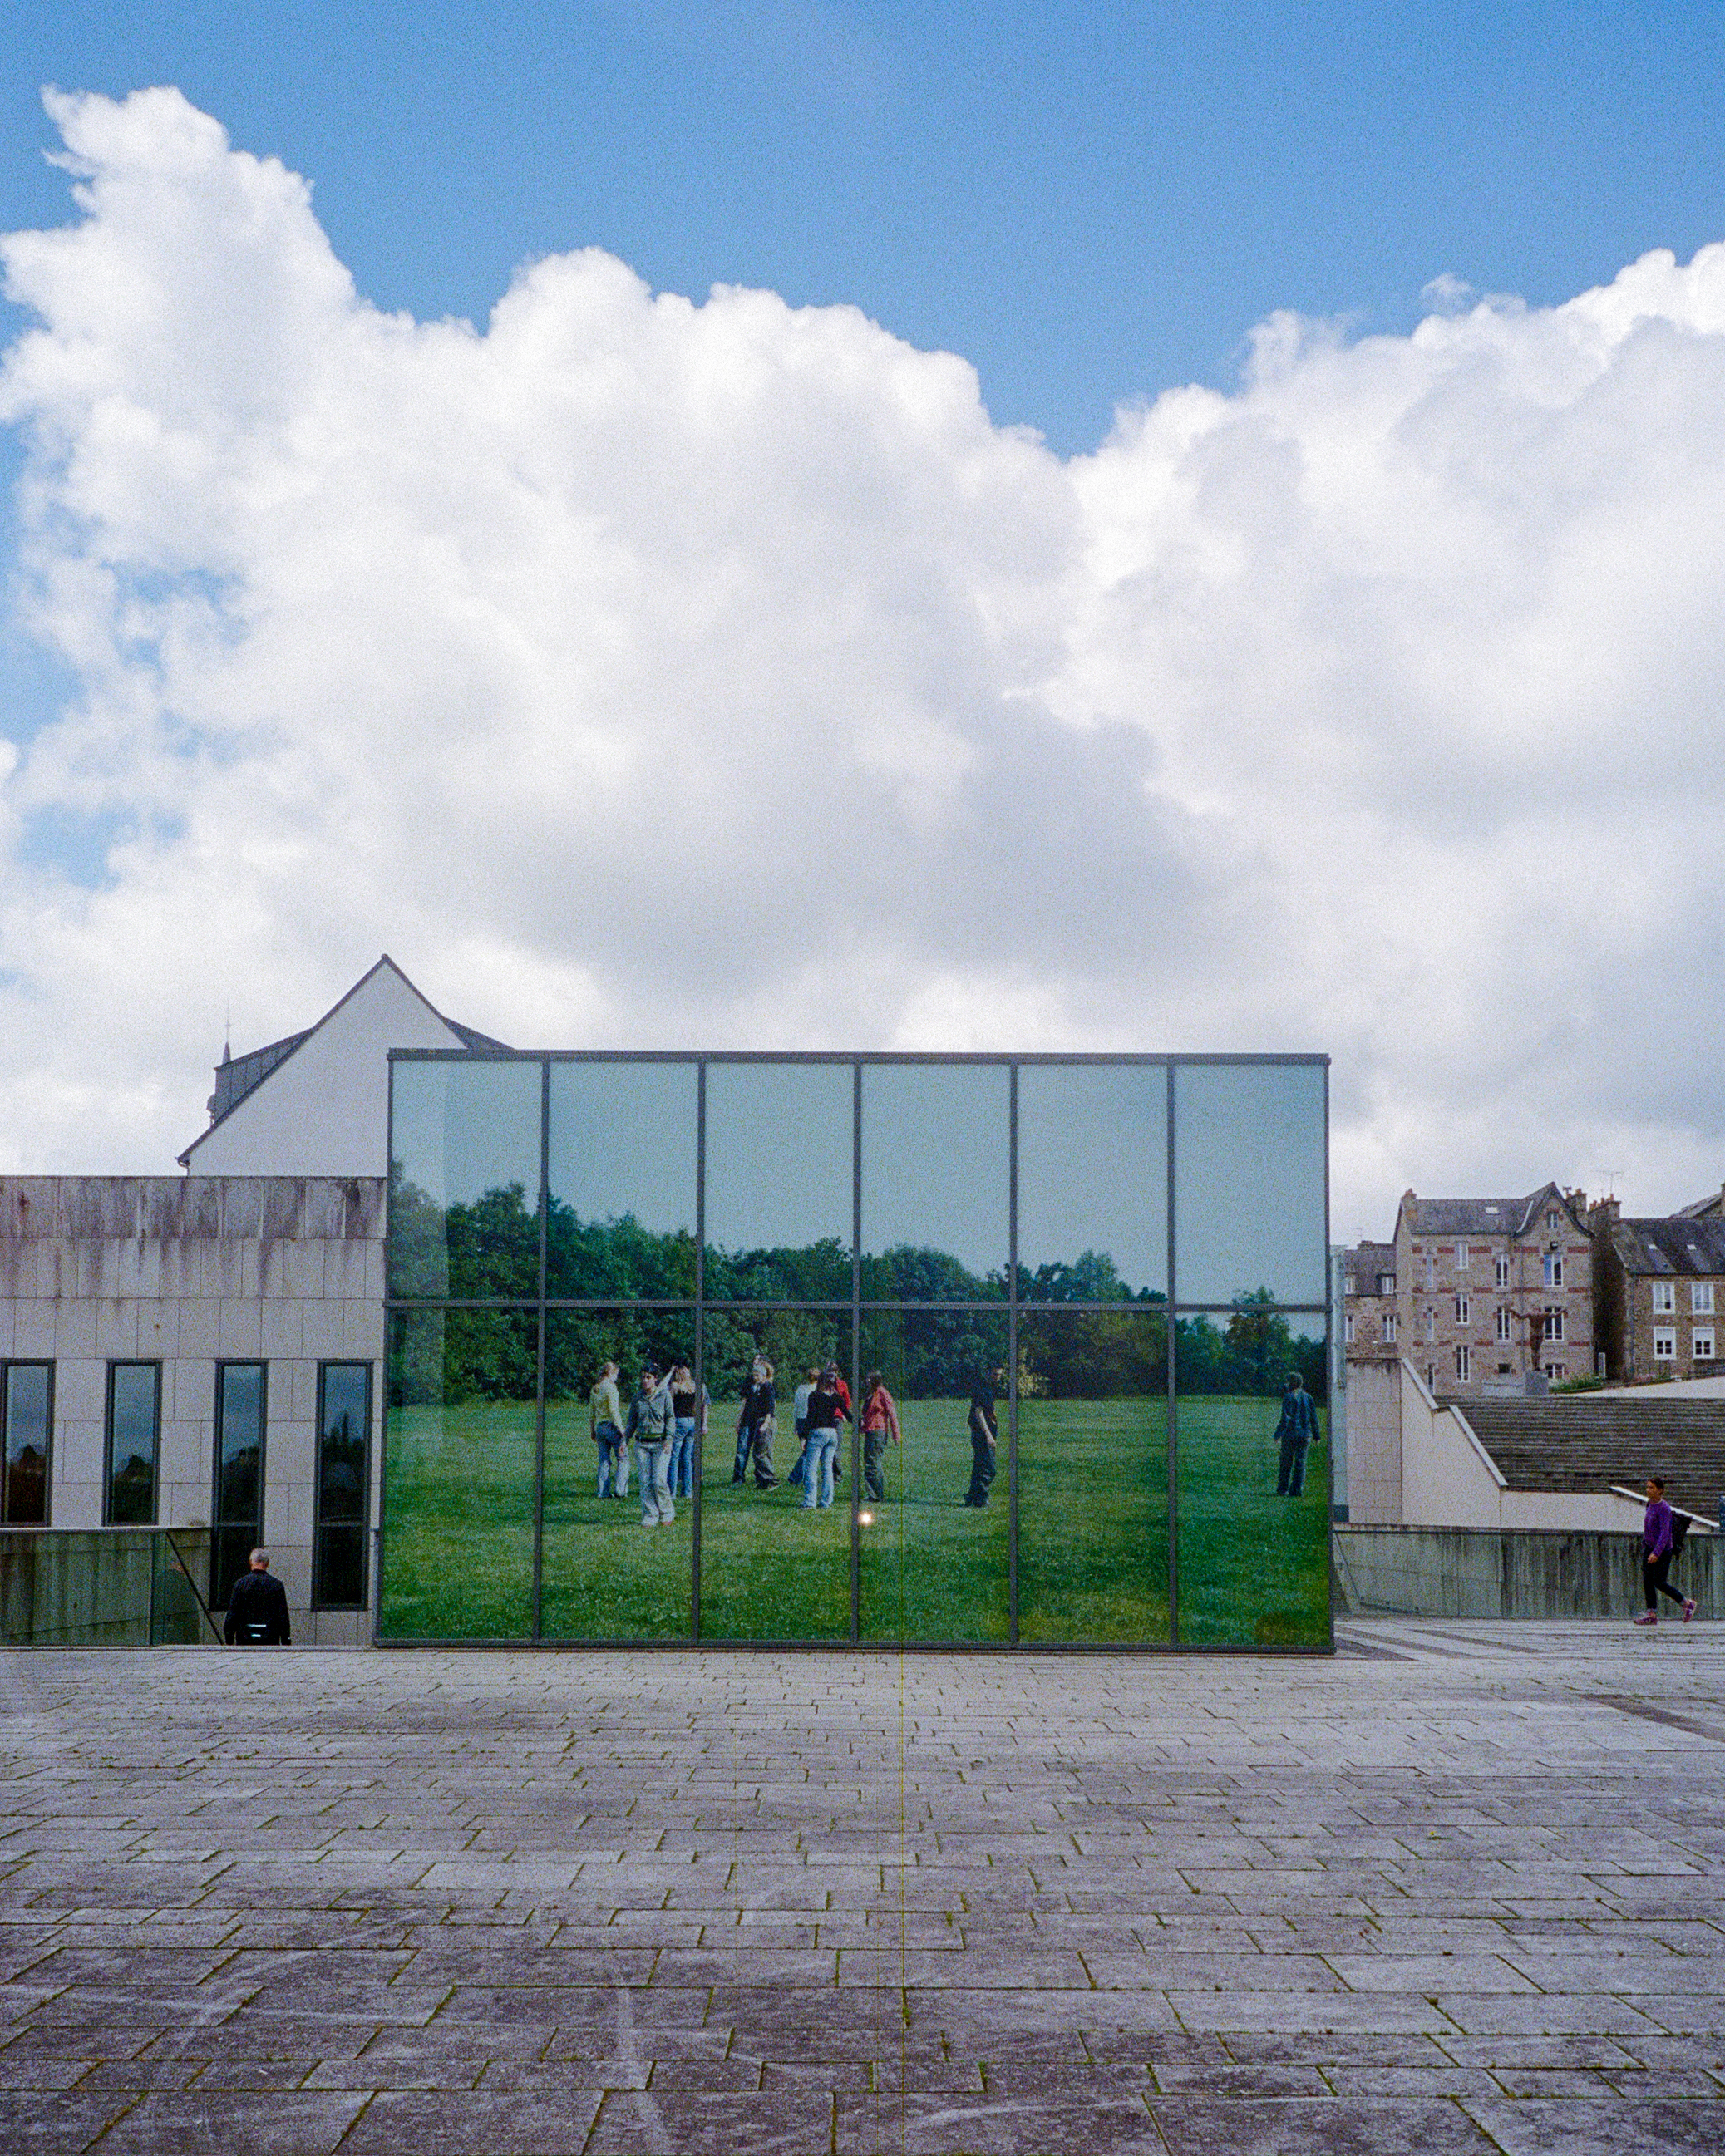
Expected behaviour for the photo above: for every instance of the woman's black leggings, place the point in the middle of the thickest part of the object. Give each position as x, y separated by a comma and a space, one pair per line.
1654, 1581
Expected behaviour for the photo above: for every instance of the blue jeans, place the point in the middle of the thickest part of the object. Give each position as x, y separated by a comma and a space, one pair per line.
817, 1468
614, 1459
652, 1462
681, 1472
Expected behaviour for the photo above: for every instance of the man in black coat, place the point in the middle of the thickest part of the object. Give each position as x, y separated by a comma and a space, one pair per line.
258, 1609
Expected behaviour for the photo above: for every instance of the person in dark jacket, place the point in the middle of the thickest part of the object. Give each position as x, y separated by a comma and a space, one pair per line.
984, 1438
1296, 1430
258, 1609
1657, 1552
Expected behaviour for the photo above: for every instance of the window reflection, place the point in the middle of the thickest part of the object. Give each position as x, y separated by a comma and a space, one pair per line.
464, 1179
935, 1174
1093, 1476
774, 1566
1249, 1179
612, 1461
621, 1174
933, 1505
1092, 1182
461, 1452
1254, 1477
779, 1152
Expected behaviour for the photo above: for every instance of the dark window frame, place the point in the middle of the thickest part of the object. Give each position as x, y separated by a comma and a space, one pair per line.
131, 1362
7, 1366
318, 1600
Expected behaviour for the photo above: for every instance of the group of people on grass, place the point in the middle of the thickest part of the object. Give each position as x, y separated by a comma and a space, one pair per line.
670, 1411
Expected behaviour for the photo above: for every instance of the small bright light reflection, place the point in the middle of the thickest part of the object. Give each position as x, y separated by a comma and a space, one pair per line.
866, 1519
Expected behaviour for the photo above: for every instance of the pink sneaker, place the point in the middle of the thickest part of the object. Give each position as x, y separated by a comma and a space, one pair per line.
1646, 1617
1688, 1609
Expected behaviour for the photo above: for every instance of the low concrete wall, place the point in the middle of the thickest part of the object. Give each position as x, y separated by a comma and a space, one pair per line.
102, 1586
1527, 1572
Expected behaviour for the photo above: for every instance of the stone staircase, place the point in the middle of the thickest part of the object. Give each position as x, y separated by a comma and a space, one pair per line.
1590, 1441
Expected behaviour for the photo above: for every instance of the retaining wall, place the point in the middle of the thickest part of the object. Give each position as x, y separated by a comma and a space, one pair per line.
1523, 1572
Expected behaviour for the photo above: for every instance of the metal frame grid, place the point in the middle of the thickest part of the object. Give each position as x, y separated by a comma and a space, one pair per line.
1172, 1308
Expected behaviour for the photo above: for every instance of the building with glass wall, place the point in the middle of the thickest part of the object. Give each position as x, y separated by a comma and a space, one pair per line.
1083, 1283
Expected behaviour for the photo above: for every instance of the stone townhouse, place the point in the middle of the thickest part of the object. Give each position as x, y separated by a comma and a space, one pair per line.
1491, 1290
1659, 1291
1371, 1324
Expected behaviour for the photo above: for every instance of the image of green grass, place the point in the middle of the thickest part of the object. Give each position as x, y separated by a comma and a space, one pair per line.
928, 1567
458, 1522
1254, 1568
770, 1568
1093, 1522
604, 1576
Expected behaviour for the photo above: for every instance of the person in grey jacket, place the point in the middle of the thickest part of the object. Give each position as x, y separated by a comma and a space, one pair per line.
652, 1425
1296, 1429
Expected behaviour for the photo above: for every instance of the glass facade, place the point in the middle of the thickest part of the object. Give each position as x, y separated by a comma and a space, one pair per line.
344, 1427
963, 1350
134, 1438
27, 1422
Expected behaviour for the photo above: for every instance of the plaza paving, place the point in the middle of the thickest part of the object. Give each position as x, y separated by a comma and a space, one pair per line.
1459, 1888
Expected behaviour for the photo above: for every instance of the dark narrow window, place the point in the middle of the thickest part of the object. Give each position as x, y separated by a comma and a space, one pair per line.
344, 1422
134, 1434
237, 1511
27, 1411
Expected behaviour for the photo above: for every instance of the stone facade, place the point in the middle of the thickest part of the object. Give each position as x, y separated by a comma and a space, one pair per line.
1371, 1322
186, 1273
1660, 1293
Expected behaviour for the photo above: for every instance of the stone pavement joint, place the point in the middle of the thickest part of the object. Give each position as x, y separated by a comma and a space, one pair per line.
1457, 1889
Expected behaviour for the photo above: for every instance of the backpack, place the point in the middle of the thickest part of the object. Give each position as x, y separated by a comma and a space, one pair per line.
1679, 1528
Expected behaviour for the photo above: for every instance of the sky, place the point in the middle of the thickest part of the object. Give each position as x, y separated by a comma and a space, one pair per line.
875, 525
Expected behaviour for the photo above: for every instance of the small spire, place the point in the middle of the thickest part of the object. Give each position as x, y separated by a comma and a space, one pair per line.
228, 1034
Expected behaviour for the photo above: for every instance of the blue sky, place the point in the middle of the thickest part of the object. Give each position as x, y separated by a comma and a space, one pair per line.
1282, 721
1089, 202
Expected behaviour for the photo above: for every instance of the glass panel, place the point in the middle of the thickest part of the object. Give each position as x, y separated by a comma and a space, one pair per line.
1249, 1172
1092, 1182
935, 1171
604, 1574
464, 1179
134, 1423
28, 1428
460, 1451
622, 1181
931, 1531
1093, 1476
344, 1421
1253, 1481
772, 1568
239, 1475
779, 1153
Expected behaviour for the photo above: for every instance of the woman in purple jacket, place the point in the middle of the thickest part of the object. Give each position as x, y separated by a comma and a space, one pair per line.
1657, 1554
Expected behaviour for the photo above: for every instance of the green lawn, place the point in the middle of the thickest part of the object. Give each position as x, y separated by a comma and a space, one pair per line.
1092, 1534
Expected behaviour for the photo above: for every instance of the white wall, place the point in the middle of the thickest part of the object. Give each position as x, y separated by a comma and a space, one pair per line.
324, 1110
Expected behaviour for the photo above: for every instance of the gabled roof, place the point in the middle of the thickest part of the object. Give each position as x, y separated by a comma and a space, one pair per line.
239, 1075
1710, 1208
1365, 1263
1669, 1249
1484, 1216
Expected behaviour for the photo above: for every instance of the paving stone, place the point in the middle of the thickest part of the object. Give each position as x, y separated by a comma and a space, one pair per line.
607, 1903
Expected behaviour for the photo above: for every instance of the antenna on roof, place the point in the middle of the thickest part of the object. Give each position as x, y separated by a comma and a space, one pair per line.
1611, 1176
228, 1032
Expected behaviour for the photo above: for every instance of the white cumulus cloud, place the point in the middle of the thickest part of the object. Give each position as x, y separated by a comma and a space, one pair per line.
639, 670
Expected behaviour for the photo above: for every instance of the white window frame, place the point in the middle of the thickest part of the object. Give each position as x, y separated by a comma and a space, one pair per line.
1347, 1329
1664, 1298
1463, 1257
1386, 1283
1500, 1268
1556, 1370
1390, 1328
1701, 1298
1463, 1364
1553, 1327
1551, 1269
1505, 1328
1701, 1345
1463, 1310
1665, 1344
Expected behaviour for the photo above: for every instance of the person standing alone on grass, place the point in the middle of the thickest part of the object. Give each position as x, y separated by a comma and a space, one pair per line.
1657, 1551
755, 1426
1296, 1430
985, 1439
879, 1423
258, 1609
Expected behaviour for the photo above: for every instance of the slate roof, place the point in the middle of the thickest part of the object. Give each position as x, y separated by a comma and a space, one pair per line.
237, 1075
1364, 1262
1710, 1208
1667, 1249
1578, 1442
1486, 1216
